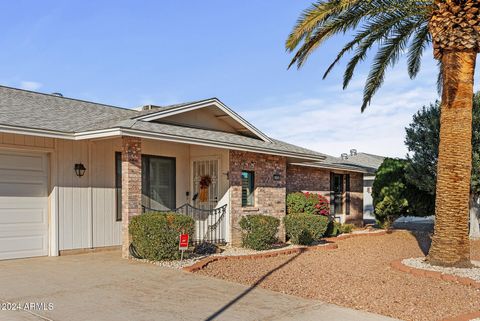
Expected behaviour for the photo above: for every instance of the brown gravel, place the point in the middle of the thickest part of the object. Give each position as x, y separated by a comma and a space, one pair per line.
358, 275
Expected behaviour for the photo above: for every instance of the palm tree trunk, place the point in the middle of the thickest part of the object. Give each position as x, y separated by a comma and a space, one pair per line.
450, 242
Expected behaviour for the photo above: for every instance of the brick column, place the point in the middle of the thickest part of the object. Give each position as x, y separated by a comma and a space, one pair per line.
269, 193
131, 186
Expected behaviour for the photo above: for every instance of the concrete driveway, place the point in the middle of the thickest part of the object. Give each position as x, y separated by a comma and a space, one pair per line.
102, 286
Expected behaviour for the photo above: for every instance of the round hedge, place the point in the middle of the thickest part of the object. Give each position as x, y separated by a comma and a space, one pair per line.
304, 229
259, 232
155, 235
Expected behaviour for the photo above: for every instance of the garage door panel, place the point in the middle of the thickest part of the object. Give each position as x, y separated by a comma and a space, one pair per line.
23, 205
22, 162
22, 189
22, 244
22, 216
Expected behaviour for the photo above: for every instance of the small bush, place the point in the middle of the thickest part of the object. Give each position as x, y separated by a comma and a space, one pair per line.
333, 228
346, 228
259, 231
309, 203
305, 228
206, 248
155, 236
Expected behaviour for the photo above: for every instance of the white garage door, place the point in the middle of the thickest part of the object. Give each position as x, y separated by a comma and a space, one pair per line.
23, 205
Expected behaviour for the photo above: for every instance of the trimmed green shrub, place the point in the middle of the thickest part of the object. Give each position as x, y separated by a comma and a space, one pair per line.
304, 228
309, 203
259, 231
346, 228
155, 236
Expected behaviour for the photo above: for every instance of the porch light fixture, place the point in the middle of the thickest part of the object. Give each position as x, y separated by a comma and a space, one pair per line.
80, 169
276, 177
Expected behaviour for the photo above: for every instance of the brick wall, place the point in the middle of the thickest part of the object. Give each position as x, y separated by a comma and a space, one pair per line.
131, 186
269, 194
317, 180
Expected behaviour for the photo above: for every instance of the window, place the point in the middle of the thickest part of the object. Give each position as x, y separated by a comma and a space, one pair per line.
118, 185
158, 182
247, 188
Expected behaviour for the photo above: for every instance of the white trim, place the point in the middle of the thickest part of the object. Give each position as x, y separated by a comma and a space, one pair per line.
53, 206
117, 132
206, 103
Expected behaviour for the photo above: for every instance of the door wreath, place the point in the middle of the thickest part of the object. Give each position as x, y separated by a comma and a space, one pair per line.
205, 182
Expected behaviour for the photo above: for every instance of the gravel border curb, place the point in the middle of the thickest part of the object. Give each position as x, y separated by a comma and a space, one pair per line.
398, 265
464, 317
203, 263
328, 246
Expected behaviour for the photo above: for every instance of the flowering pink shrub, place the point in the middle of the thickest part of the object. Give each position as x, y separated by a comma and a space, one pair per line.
309, 203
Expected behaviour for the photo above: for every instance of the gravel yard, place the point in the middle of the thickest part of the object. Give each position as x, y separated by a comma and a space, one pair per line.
358, 275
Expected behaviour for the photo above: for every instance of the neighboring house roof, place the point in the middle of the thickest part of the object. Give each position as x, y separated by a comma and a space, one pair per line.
366, 160
361, 162
33, 113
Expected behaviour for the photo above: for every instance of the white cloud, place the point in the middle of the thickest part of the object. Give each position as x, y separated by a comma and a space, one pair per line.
30, 85
330, 120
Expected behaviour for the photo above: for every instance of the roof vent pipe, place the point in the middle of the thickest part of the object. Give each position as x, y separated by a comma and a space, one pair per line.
57, 94
344, 156
353, 152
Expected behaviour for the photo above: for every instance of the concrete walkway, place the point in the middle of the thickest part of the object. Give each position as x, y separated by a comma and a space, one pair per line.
102, 286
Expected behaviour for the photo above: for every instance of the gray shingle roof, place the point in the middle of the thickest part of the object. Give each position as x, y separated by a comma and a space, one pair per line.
362, 161
28, 109
41, 111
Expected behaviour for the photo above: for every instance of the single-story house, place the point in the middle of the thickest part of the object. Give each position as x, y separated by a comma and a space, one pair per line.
73, 173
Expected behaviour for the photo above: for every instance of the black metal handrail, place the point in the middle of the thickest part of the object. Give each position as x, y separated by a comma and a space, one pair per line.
204, 231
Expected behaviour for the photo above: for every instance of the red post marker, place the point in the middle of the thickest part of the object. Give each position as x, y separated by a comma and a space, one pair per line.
183, 242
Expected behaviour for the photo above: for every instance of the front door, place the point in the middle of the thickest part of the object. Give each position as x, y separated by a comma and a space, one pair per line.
338, 193
205, 183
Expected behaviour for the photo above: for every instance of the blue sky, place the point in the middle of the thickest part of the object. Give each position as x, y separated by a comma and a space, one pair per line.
130, 53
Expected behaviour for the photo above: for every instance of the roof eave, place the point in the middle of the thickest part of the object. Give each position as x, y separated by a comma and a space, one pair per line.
119, 131
200, 104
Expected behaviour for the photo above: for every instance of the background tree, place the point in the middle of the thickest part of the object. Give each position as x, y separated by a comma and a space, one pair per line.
422, 141
395, 27
394, 196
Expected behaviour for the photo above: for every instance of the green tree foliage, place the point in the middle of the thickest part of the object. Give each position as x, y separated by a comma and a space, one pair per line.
387, 28
422, 141
393, 196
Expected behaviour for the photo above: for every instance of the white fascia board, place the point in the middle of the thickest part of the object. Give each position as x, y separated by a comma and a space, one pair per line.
35, 132
116, 132
326, 166
215, 102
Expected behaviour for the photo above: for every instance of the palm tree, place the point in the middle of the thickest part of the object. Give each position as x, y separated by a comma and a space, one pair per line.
393, 28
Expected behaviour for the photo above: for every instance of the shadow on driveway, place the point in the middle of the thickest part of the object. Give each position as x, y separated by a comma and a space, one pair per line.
252, 287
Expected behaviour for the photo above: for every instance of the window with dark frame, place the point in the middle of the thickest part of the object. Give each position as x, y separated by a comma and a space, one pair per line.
247, 188
159, 182
118, 185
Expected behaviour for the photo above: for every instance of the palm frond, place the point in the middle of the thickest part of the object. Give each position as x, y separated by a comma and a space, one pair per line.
387, 55
390, 24
415, 52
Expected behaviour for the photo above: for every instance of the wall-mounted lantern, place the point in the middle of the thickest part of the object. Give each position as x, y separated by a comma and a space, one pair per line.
80, 169
276, 177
